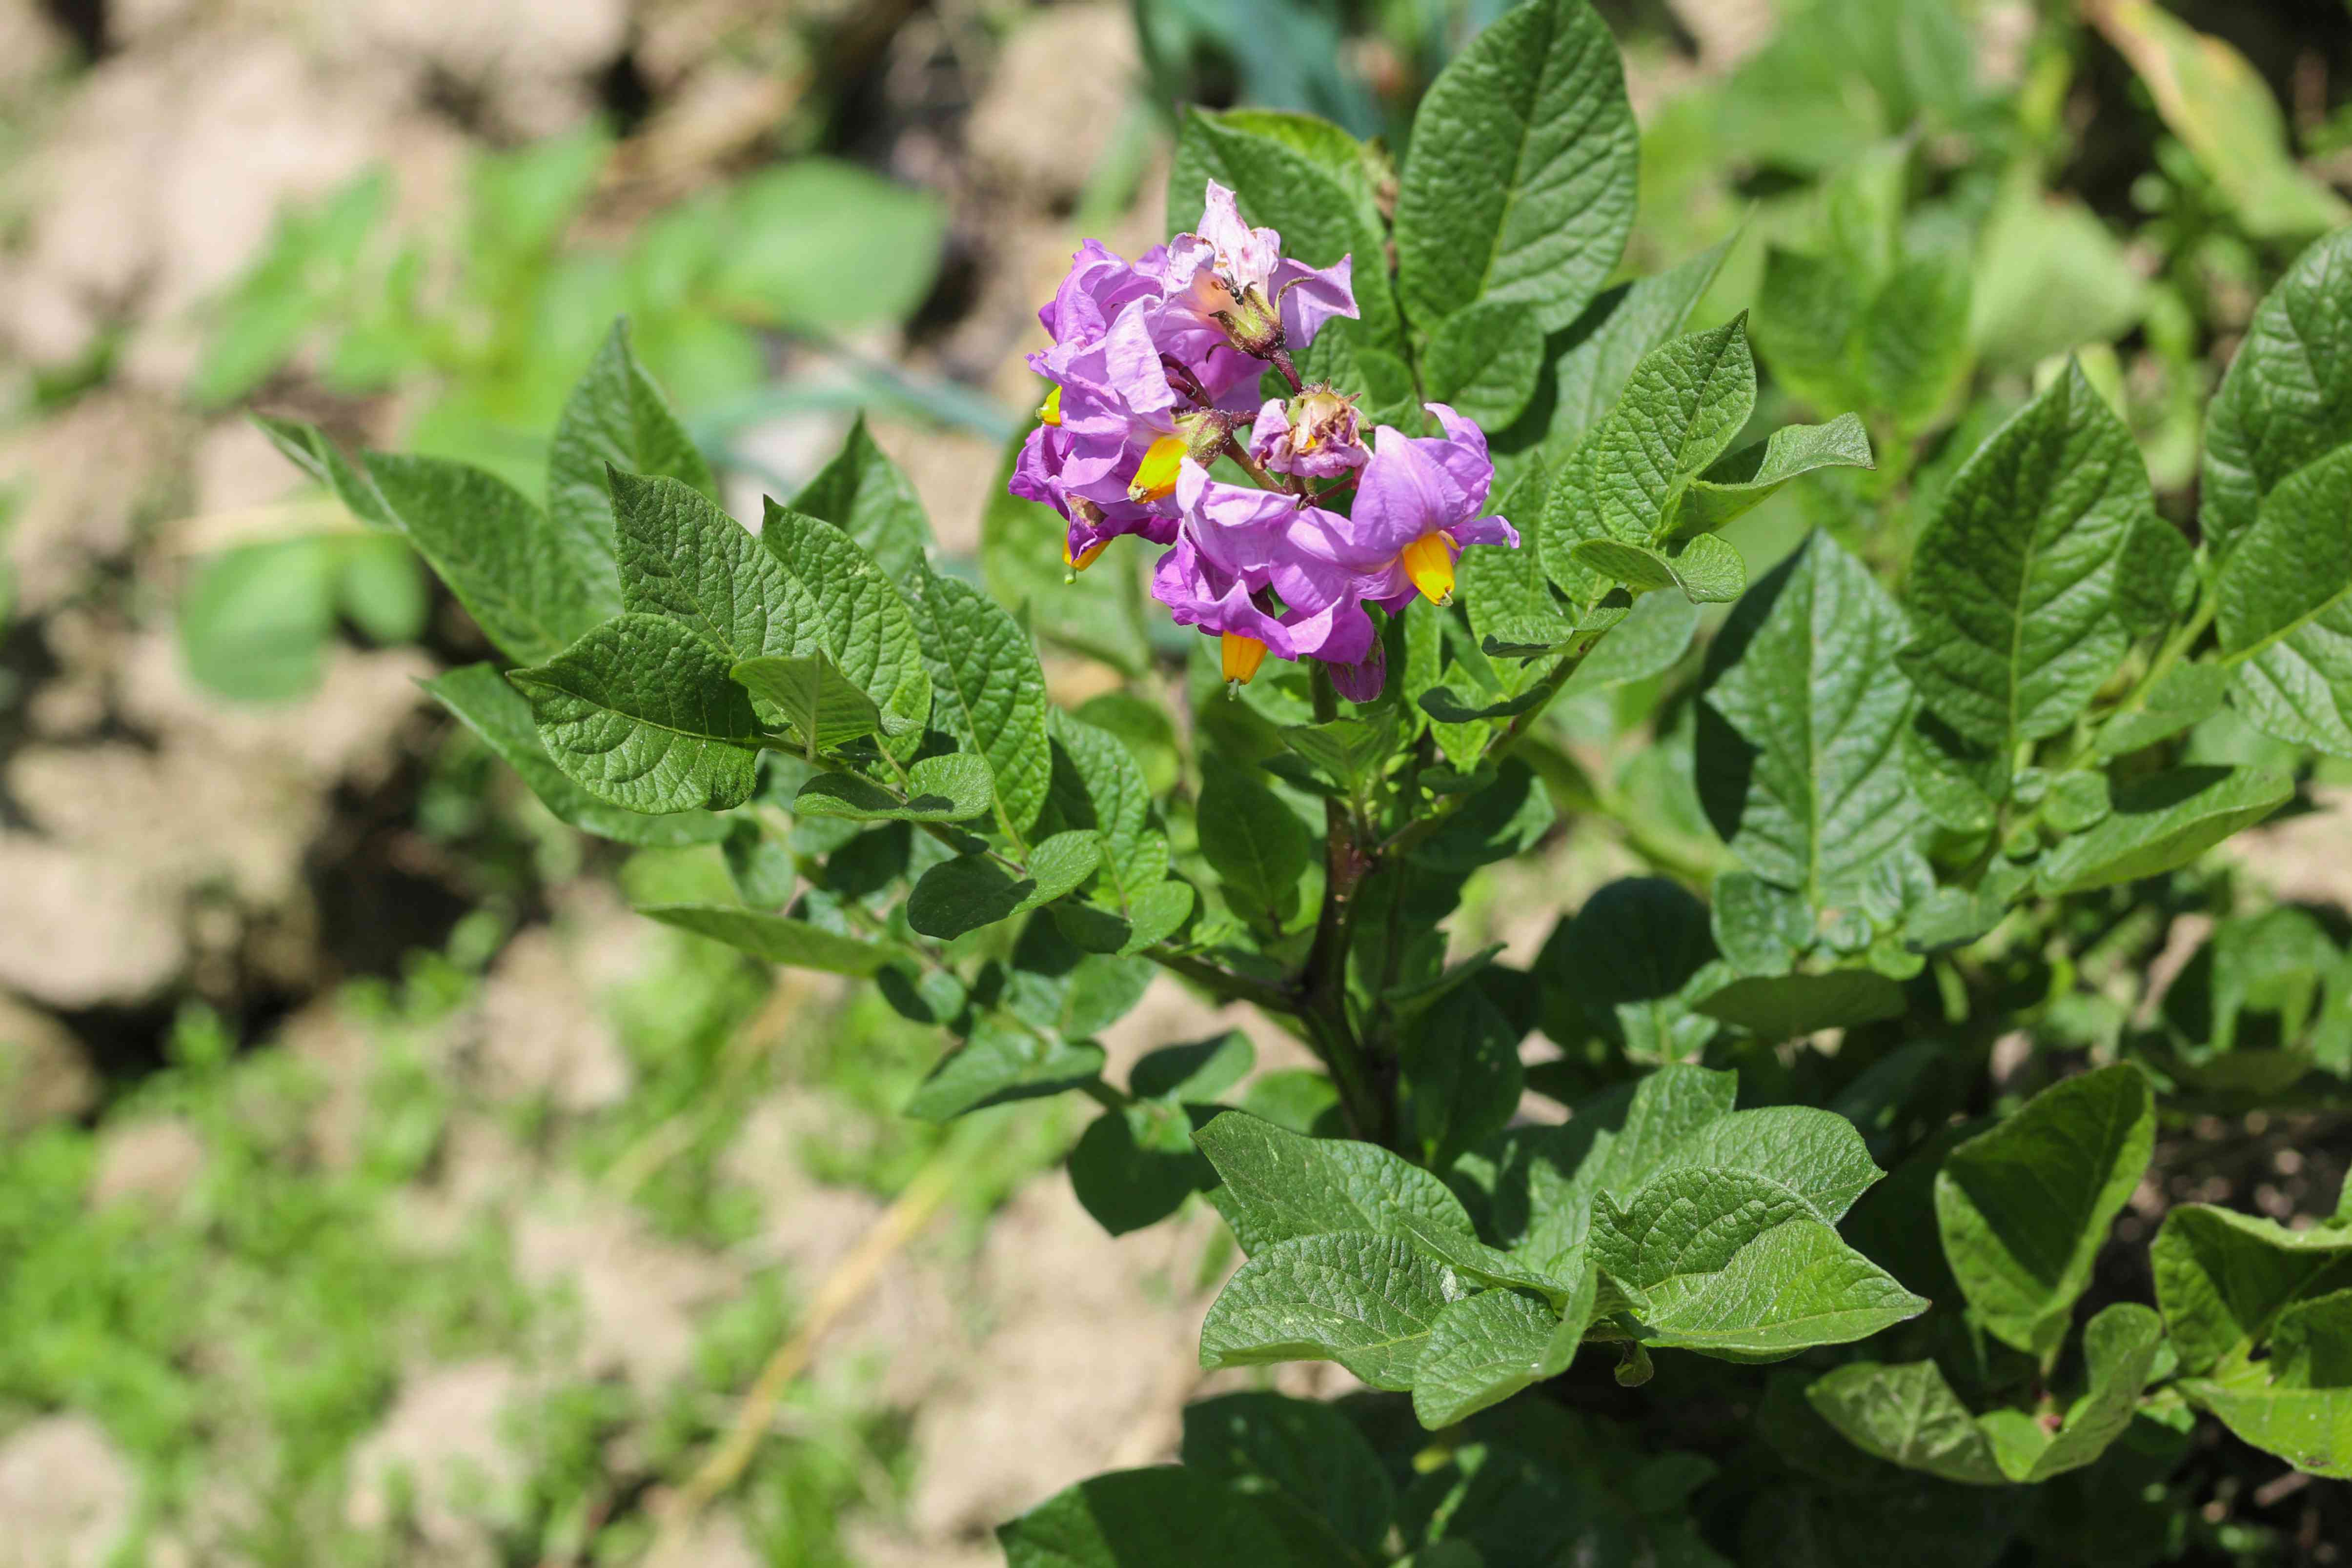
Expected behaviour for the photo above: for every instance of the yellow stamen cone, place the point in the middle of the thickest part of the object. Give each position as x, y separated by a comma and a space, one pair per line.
1050, 411
1429, 561
1085, 558
1240, 656
1156, 475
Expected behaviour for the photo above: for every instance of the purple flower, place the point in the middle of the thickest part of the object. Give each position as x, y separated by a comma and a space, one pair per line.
1231, 283
1419, 501
1316, 434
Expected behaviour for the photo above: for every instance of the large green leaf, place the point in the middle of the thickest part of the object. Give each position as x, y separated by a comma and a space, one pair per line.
862, 492
2119, 1353
1797, 749
2161, 821
2286, 603
776, 938
1907, 1415
616, 415
1366, 1301
2014, 611
2287, 399
988, 691
1123, 1519
1302, 1460
863, 623
1482, 1349
1593, 356
681, 557
1484, 361
492, 708
1685, 402
2025, 1208
534, 589
641, 714
1519, 184
2223, 1279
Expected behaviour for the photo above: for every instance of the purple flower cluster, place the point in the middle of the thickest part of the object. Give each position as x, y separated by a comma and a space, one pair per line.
1155, 368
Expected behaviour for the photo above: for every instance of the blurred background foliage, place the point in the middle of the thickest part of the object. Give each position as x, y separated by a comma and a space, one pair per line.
246, 1257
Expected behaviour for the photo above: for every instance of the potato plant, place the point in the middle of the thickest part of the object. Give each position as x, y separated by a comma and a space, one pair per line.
1357, 484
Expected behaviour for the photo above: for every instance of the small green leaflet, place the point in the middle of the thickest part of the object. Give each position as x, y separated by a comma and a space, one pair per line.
1908, 1416
1793, 1286
2286, 599
1366, 1301
2223, 1279
2014, 614
532, 588
1518, 185
2119, 1349
863, 623
641, 714
1797, 752
989, 691
1735, 485
1117, 805
616, 417
1594, 356
775, 937
862, 492
492, 708
1004, 1061
2287, 399
308, 448
1259, 849
976, 890
1684, 403
2161, 821
1482, 1350
1708, 569
821, 704
2024, 1208
950, 789
2298, 1403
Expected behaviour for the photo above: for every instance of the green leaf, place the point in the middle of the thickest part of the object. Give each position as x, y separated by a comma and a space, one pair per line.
1461, 1065
1706, 568
1817, 1154
1613, 1144
1896, 344
681, 557
976, 890
1258, 848
2186, 696
491, 706
1734, 1265
533, 589
2119, 1352
1482, 1349
1760, 927
2161, 821
615, 416
1004, 1061
862, 492
1279, 1185
1484, 361
862, 623
1621, 965
2012, 593
307, 447
1684, 403
1300, 1459
2222, 1279
2298, 1403
255, 622
1797, 745
989, 691
1122, 1520
1649, 641
1747, 478
1519, 181
1351, 752
1321, 217
2287, 401
2025, 1208
950, 789
817, 699
641, 714
1135, 1166
1908, 1416
776, 938
1366, 1301
2286, 603
1118, 806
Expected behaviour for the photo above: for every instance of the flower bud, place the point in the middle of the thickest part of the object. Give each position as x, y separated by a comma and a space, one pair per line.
1252, 323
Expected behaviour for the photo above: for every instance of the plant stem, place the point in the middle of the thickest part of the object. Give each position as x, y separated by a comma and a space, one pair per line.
1365, 1078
